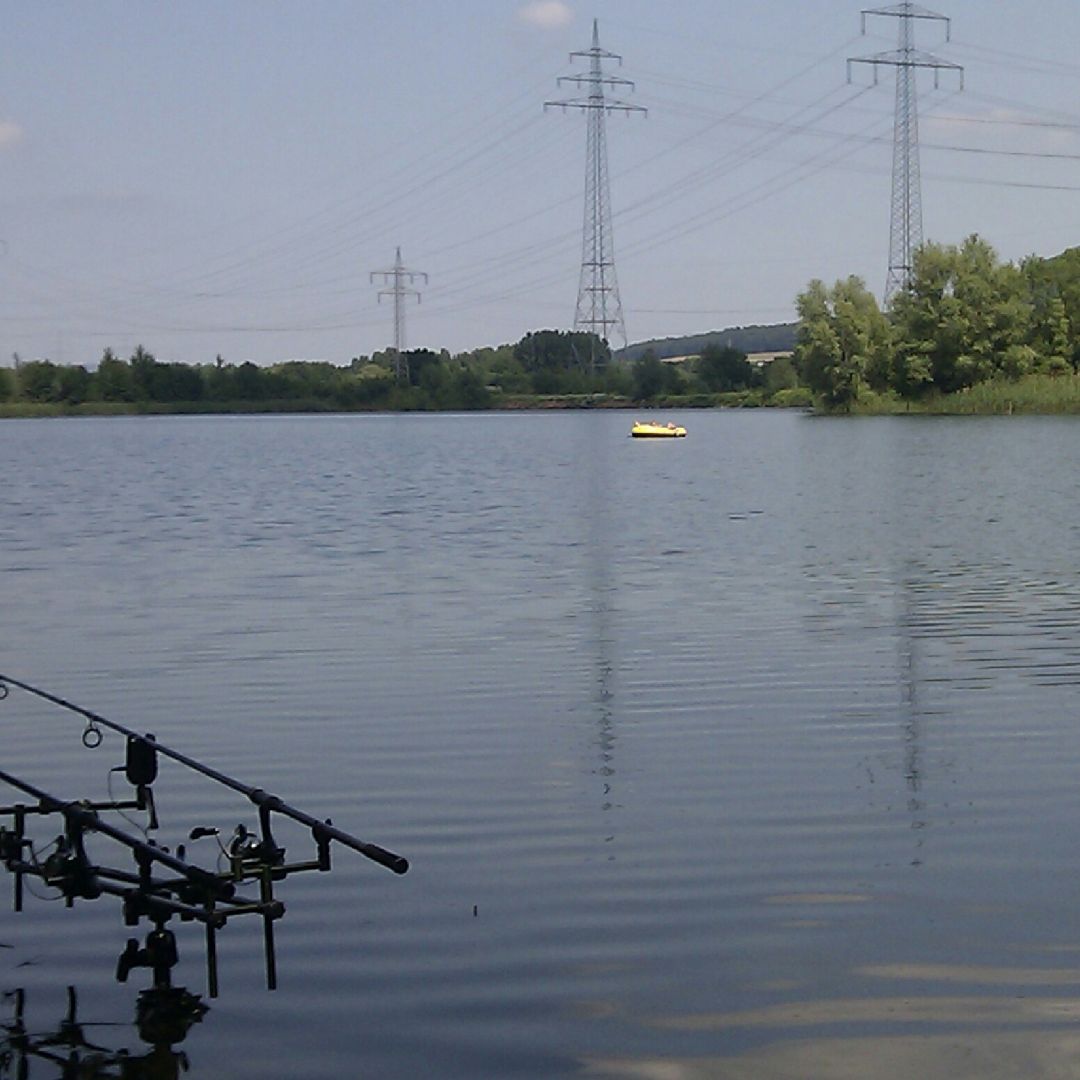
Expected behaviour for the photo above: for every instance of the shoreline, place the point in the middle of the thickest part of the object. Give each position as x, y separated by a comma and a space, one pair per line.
517, 403
1034, 395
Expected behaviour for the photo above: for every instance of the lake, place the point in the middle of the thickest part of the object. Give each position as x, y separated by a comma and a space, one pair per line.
746, 755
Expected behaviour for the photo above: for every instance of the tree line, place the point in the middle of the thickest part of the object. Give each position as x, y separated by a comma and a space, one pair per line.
545, 363
964, 318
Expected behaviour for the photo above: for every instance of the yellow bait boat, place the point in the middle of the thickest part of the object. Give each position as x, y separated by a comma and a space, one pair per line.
657, 431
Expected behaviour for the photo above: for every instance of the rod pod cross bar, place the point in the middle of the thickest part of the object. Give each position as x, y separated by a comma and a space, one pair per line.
78, 818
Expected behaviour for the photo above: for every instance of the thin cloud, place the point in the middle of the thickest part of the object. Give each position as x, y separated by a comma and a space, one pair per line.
10, 133
1005, 127
547, 14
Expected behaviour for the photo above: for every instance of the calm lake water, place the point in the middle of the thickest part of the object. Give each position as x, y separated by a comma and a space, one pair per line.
752, 754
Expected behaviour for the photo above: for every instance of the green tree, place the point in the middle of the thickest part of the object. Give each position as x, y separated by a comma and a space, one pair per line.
39, 381
114, 378
73, 384
187, 384
723, 368
143, 368
499, 368
419, 360
366, 388
298, 380
250, 383
1051, 327
560, 350
7, 384
219, 382
649, 377
963, 318
469, 390
1054, 330
843, 340
780, 374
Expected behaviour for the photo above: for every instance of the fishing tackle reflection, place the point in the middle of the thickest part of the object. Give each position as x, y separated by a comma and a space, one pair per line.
163, 1017
162, 884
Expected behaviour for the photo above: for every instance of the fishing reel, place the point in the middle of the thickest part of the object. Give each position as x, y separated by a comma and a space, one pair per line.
248, 854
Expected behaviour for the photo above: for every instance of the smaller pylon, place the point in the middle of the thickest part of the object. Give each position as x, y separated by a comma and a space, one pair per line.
400, 280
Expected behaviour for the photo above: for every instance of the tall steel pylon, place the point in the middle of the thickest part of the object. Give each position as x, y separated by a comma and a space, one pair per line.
905, 229
599, 308
400, 290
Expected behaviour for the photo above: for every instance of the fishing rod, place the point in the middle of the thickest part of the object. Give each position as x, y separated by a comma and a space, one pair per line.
191, 892
266, 803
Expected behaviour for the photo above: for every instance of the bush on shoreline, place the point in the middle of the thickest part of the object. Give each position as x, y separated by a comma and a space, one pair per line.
1030, 395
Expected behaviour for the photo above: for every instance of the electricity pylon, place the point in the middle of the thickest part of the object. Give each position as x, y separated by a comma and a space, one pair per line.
400, 290
599, 308
905, 229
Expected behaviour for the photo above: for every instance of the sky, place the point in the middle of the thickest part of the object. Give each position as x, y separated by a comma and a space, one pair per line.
223, 177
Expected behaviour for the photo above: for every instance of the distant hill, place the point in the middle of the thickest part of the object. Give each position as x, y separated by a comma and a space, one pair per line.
748, 339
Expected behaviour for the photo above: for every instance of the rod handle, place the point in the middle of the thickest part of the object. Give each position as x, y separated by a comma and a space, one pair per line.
398, 863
